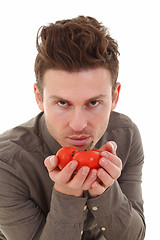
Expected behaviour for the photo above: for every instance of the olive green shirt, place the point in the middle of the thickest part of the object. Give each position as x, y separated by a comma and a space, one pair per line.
30, 207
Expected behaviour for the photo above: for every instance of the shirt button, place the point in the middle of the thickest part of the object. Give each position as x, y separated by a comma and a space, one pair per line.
103, 228
85, 207
95, 208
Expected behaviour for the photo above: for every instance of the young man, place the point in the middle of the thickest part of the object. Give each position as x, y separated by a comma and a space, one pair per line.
76, 71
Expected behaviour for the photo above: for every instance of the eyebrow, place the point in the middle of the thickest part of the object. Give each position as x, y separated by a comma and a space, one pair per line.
55, 97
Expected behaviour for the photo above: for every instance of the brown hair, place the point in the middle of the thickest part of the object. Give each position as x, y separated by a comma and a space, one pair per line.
75, 44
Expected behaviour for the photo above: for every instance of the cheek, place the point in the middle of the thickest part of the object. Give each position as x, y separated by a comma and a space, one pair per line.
55, 126
100, 121
55, 120
103, 114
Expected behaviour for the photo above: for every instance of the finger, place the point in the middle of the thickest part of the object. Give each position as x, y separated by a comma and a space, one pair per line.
113, 147
51, 163
90, 179
113, 158
79, 178
96, 189
63, 176
106, 179
110, 168
110, 146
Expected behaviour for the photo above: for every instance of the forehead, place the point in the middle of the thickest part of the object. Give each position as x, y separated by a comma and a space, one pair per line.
86, 83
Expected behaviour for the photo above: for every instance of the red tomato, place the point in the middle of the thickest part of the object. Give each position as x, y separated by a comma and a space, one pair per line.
65, 155
88, 158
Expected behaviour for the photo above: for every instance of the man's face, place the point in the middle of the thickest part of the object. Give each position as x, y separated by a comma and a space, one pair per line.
77, 105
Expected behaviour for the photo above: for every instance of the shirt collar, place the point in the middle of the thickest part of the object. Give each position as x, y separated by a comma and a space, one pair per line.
51, 143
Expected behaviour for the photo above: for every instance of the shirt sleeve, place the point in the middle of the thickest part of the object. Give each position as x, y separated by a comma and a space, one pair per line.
21, 218
66, 217
118, 212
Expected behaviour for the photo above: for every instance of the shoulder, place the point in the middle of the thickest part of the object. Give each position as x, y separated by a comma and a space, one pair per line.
122, 130
21, 138
120, 121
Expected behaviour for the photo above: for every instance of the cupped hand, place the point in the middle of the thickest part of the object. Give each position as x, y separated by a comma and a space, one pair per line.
73, 183
111, 169
66, 181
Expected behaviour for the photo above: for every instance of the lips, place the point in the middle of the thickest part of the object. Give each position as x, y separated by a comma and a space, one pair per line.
79, 140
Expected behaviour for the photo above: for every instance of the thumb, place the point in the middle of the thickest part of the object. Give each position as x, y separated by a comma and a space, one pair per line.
110, 146
51, 162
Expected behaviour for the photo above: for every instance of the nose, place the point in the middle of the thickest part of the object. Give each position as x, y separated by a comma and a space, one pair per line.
78, 120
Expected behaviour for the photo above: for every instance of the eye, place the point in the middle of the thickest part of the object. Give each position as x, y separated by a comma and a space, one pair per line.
62, 103
94, 103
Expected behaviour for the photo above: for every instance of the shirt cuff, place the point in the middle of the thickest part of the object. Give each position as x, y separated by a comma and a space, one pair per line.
106, 203
68, 208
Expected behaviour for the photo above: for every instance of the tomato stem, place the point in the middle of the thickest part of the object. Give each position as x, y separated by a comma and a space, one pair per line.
73, 153
89, 147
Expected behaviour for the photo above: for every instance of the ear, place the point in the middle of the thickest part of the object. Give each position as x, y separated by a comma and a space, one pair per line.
116, 95
38, 97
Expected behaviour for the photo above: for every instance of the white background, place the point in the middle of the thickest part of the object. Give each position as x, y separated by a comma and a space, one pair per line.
136, 26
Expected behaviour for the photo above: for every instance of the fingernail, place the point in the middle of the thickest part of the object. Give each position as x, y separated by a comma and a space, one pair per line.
103, 160
85, 170
104, 154
52, 160
101, 172
74, 164
94, 173
112, 146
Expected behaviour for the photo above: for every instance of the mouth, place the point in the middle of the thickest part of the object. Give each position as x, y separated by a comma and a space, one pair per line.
79, 140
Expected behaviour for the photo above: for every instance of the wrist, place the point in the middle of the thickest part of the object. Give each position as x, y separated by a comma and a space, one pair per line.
68, 191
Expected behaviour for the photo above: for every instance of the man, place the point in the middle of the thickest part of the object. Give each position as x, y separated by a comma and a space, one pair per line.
76, 71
